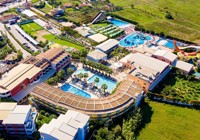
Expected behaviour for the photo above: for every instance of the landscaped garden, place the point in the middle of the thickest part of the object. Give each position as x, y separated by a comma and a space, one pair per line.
168, 122
178, 87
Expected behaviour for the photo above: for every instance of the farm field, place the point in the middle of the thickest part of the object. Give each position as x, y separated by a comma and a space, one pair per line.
167, 122
151, 15
53, 38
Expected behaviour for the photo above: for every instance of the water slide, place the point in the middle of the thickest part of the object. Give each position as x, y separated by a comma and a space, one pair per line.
96, 17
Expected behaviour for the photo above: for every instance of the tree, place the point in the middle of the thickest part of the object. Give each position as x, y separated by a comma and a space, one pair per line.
132, 6
104, 87
19, 55
117, 130
169, 15
96, 80
86, 75
70, 71
60, 75
80, 75
104, 134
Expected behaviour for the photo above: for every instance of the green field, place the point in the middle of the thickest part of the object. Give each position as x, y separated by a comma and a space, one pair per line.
151, 15
167, 122
31, 28
53, 38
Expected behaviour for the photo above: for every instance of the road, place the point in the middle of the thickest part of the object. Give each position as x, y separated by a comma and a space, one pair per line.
11, 5
20, 38
17, 46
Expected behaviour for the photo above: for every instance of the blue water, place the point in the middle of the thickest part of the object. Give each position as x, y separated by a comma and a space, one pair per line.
118, 22
72, 89
81, 71
197, 74
103, 80
134, 39
170, 44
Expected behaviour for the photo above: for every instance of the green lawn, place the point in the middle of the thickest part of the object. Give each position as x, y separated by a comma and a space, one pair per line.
151, 15
53, 38
31, 27
46, 9
167, 122
98, 25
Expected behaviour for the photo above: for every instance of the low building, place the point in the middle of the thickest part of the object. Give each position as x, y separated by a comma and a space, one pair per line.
72, 125
97, 56
165, 56
145, 70
7, 18
11, 58
18, 78
57, 57
17, 119
67, 5
82, 31
98, 38
42, 63
57, 12
108, 46
29, 13
185, 67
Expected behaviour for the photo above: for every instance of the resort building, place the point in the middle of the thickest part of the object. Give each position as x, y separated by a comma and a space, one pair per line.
72, 125
7, 18
165, 56
108, 46
29, 13
97, 56
43, 64
185, 67
98, 38
145, 70
126, 96
17, 119
18, 78
57, 57
56, 12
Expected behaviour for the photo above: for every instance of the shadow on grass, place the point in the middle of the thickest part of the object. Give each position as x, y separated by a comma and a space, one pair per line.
147, 113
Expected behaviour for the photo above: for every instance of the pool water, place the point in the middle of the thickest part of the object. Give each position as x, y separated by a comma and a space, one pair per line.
134, 40
81, 71
170, 44
77, 91
118, 23
103, 80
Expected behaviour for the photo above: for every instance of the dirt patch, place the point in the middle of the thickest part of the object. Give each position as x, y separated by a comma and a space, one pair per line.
40, 35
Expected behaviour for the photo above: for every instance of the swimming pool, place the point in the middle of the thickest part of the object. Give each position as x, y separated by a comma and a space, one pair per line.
77, 91
134, 40
81, 71
118, 23
169, 44
103, 80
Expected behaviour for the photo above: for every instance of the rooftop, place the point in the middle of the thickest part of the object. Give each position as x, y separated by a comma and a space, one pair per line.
183, 66
124, 96
29, 13
50, 54
5, 109
97, 55
66, 125
18, 74
107, 45
166, 54
98, 37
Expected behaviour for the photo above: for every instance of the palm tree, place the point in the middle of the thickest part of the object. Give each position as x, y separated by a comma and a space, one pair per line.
104, 87
85, 75
70, 71
80, 75
96, 80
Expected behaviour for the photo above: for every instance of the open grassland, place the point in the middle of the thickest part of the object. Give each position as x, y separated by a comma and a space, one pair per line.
151, 15
167, 122
31, 28
54, 39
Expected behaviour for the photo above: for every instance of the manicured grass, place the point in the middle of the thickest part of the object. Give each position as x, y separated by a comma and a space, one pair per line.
167, 122
53, 38
98, 25
151, 15
31, 27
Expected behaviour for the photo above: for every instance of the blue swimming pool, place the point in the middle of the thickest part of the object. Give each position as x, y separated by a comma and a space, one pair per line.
119, 23
81, 71
103, 80
77, 91
134, 40
170, 44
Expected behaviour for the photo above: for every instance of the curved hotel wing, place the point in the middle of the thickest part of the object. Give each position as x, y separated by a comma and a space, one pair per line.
103, 108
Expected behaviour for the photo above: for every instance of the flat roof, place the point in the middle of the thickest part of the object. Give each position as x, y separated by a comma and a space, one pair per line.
29, 13
5, 109
21, 109
97, 55
50, 54
148, 62
98, 37
18, 74
125, 95
166, 54
65, 126
107, 45
60, 58
26, 35
183, 65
